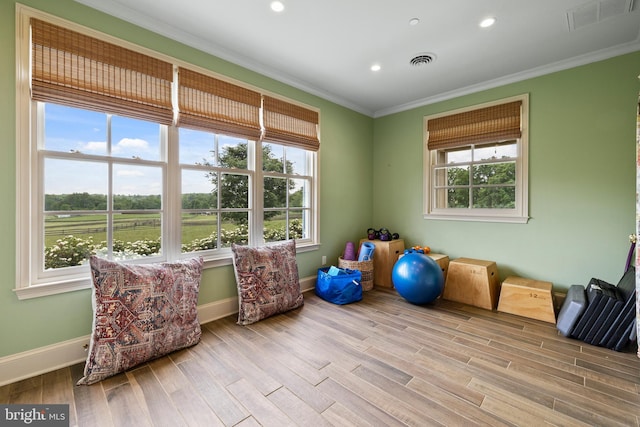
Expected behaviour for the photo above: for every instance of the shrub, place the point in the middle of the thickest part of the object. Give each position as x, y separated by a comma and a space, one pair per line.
71, 251
209, 242
68, 251
238, 235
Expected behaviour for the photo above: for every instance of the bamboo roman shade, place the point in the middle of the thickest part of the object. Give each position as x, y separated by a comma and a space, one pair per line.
78, 70
290, 124
213, 104
495, 123
81, 71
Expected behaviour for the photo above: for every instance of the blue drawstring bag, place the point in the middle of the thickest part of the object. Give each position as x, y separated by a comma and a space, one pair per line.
339, 286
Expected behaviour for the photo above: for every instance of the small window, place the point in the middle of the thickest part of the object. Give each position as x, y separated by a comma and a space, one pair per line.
287, 184
216, 188
476, 163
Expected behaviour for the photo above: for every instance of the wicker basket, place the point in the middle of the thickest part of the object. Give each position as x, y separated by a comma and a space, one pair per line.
365, 267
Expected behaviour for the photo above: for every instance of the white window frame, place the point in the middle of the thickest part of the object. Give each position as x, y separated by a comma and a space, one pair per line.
37, 197
310, 168
32, 281
250, 172
520, 214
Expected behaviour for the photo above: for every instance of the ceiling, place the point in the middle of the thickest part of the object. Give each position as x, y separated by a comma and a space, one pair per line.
327, 47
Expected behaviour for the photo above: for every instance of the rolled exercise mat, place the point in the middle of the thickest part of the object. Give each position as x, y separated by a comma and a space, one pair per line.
366, 251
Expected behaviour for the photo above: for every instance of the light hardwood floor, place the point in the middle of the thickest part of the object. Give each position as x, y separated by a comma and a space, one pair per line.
379, 362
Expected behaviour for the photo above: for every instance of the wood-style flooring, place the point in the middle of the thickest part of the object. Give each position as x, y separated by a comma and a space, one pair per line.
379, 362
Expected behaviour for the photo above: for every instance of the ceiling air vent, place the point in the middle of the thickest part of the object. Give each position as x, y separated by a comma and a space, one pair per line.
597, 11
422, 59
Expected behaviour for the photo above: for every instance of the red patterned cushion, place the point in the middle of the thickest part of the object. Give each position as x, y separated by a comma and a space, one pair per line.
267, 279
141, 312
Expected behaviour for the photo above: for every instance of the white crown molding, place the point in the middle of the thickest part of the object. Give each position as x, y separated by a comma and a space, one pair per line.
45, 359
120, 11
517, 77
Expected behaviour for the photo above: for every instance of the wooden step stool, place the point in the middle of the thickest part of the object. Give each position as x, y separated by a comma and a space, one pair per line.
528, 298
472, 281
443, 261
384, 258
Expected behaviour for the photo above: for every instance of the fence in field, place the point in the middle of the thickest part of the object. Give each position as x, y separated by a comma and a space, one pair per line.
77, 229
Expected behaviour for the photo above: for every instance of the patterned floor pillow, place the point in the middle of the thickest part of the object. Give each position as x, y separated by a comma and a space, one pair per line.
141, 312
267, 279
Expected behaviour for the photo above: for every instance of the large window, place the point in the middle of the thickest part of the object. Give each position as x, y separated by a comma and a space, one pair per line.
105, 168
476, 163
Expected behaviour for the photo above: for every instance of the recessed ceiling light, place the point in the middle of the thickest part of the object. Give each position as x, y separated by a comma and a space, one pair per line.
277, 6
487, 22
376, 67
414, 21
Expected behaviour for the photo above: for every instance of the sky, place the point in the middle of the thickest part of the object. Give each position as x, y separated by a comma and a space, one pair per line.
71, 130
74, 130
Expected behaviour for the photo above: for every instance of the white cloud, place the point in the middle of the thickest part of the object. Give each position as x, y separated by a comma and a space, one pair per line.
129, 172
131, 144
93, 147
124, 146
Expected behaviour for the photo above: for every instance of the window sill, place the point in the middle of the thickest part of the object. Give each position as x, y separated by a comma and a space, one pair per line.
52, 288
479, 218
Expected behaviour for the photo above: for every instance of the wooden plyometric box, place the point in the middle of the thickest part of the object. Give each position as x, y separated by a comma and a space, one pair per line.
528, 298
443, 262
385, 256
472, 281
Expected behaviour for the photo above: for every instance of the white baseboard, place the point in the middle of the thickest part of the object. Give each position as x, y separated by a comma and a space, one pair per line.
227, 307
41, 360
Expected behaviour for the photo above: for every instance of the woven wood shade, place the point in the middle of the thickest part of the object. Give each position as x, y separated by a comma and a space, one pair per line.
489, 124
208, 103
290, 124
80, 71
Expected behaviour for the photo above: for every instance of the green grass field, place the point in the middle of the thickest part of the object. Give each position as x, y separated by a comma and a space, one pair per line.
134, 227
129, 228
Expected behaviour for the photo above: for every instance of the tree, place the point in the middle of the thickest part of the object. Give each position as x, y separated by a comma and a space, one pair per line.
199, 201
496, 186
234, 188
295, 198
97, 202
493, 186
137, 202
75, 202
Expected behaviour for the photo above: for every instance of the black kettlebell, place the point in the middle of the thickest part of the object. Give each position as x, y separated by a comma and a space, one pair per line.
385, 235
371, 234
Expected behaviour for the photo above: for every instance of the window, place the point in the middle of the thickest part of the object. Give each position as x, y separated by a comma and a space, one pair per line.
476, 163
130, 156
288, 170
103, 181
287, 183
215, 190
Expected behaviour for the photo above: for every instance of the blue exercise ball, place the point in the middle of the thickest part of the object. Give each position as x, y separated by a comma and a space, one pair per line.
417, 278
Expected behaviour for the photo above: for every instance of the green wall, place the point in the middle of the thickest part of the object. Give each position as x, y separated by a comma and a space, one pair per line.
345, 181
581, 178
